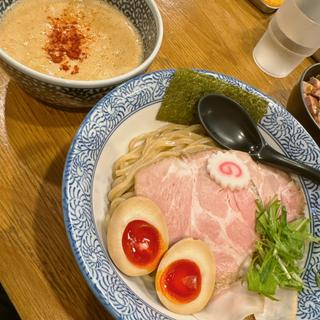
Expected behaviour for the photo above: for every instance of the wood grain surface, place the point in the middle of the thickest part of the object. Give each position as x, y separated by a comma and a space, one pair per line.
37, 268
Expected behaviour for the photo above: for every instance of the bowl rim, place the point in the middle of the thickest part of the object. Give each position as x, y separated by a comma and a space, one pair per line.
282, 142
302, 93
90, 84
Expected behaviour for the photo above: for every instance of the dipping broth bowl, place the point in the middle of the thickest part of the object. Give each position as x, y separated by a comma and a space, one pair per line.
297, 106
76, 94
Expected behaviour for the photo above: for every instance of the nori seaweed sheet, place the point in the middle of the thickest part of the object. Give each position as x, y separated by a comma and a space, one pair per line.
187, 87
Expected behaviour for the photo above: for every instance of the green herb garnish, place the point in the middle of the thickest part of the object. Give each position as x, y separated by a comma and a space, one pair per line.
281, 245
187, 87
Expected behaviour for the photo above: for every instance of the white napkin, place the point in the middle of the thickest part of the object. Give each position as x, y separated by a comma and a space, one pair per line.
284, 309
235, 303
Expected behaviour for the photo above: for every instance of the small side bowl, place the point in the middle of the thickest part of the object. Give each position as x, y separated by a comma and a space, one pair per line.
75, 94
297, 106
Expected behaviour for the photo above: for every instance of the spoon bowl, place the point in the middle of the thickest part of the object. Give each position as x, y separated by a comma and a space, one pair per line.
229, 124
232, 127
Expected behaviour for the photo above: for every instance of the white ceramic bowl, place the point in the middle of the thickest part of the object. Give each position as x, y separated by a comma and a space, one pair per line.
121, 115
146, 17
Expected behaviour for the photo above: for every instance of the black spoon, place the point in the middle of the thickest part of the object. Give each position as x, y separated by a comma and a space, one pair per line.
232, 127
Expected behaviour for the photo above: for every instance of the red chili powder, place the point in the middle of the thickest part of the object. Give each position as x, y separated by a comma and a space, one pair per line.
75, 69
67, 40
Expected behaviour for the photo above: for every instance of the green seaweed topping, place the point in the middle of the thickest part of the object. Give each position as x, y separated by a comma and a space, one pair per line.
318, 279
187, 87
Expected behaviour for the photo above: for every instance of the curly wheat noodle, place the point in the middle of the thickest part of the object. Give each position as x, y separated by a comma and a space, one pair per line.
168, 141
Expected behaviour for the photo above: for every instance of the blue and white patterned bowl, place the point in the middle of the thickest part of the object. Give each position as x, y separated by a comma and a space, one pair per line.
146, 17
128, 111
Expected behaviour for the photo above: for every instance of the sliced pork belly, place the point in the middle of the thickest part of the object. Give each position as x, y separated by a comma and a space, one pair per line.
169, 183
195, 205
270, 182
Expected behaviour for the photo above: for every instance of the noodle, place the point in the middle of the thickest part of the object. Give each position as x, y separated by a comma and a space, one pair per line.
168, 141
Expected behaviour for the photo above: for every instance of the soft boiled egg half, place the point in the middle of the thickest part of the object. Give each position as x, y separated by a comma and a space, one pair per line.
186, 276
137, 236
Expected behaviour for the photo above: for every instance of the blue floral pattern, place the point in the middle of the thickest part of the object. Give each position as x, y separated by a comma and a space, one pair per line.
82, 159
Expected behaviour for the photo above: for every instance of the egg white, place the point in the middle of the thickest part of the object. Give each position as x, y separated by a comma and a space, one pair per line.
135, 208
198, 252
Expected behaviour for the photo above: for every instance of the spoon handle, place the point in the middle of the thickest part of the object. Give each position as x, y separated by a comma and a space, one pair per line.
270, 156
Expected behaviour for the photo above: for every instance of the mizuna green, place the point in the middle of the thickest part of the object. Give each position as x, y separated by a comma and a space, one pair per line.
279, 250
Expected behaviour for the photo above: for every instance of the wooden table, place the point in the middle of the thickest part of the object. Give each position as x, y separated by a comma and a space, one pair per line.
37, 268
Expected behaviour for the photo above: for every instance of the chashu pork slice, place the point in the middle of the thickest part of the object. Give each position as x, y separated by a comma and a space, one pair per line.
196, 206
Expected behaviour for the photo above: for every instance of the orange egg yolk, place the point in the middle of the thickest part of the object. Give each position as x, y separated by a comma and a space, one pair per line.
141, 242
181, 281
